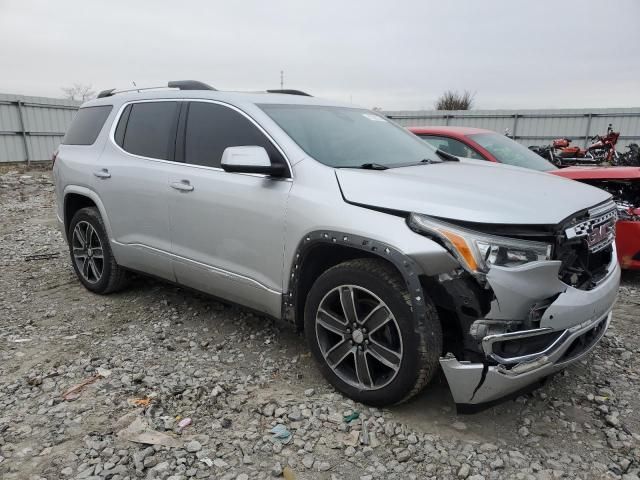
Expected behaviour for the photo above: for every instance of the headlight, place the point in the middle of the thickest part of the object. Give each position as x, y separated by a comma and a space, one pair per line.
478, 251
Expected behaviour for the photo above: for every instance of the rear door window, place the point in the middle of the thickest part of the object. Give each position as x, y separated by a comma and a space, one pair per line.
148, 129
211, 128
86, 125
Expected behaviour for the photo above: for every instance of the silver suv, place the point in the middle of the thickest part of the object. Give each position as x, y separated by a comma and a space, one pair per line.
394, 258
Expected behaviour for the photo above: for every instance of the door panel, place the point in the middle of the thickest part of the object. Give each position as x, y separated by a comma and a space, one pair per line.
227, 229
227, 234
132, 181
136, 198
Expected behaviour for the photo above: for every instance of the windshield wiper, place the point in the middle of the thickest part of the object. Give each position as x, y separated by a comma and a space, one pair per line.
444, 157
429, 161
373, 166
447, 157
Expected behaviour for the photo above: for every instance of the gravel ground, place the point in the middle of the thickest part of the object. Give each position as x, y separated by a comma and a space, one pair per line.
156, 357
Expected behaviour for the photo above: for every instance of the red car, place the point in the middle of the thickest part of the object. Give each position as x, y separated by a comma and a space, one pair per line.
622, 182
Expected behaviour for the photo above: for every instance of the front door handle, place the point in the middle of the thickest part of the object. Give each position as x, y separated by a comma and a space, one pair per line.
104, 173
183, 186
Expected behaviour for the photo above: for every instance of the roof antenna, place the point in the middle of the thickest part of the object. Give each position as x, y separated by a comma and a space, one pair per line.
134, 84
281, 79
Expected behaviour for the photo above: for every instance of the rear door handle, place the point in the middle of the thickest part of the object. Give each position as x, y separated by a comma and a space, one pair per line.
183, 186
104, 173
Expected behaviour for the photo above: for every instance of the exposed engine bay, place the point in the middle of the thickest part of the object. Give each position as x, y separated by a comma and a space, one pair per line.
626, 194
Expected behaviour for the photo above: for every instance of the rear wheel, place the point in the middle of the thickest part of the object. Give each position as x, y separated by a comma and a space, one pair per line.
91, 254
361, 330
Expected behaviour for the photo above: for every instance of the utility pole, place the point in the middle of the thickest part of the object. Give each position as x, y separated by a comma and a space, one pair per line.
281, 79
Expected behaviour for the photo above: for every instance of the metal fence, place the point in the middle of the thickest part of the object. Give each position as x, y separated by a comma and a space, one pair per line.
535, 127
31, 127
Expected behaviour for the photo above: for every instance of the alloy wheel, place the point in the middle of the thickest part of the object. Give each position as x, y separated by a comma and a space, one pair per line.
88, 254
359, 337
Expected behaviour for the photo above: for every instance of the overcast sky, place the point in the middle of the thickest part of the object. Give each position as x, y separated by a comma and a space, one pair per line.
391, 54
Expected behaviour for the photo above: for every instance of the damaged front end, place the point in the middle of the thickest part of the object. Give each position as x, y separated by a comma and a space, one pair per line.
537, 326
510, 324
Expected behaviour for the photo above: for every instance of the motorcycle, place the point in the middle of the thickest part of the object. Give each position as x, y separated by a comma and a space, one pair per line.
630, 158
604, 148
562, 154
545, 151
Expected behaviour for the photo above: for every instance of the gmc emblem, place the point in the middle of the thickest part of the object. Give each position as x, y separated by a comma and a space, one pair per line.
598, 234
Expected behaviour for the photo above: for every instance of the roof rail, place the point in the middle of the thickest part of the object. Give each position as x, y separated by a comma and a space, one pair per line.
113, 91
179, 84
106, 93
290, 92
189, 85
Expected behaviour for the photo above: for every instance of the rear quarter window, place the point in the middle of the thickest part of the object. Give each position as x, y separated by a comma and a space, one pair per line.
86, 125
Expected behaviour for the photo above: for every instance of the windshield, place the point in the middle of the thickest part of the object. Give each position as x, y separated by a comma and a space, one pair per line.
512, 153
349, 137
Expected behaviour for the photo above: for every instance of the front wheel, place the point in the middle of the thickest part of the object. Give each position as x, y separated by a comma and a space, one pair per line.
361, 330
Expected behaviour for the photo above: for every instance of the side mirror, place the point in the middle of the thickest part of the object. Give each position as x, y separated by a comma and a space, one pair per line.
249, 160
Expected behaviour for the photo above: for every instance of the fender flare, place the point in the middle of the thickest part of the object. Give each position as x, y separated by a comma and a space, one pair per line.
406, 266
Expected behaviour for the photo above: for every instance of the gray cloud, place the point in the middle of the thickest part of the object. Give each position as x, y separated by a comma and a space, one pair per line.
396, 55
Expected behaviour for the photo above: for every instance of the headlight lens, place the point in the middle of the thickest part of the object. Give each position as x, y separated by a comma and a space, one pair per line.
478, 251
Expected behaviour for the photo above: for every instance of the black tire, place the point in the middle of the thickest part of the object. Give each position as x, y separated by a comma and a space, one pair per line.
421, 344
113, 277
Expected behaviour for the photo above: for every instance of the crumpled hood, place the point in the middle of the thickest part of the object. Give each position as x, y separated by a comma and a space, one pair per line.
472, 191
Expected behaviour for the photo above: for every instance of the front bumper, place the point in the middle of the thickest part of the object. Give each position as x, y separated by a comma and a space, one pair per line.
578, 318
476, 383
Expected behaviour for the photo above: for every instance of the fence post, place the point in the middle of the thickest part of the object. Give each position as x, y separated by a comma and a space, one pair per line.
586, 134
24, 133
446, 119
515, 126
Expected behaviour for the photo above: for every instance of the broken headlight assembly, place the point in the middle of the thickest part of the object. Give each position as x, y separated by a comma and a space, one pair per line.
477, 251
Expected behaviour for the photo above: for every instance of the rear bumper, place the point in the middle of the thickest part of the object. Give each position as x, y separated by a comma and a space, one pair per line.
578, 319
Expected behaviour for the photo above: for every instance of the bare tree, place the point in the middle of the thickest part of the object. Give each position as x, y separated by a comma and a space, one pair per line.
79, 92
453, 100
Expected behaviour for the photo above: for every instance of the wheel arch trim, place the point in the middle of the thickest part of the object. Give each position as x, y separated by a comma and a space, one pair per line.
408, 268
93, 196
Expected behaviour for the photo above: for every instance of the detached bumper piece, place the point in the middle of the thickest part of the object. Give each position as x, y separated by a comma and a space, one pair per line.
628, 241
475, 386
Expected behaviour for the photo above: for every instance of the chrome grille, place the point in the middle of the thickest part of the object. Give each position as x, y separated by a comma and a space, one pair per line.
586, 249
602, 208
598, 230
